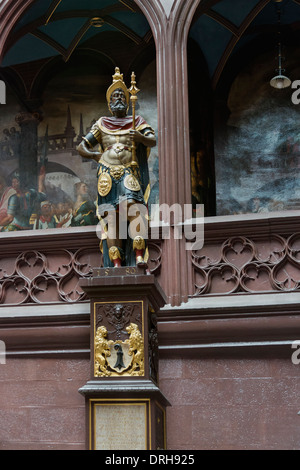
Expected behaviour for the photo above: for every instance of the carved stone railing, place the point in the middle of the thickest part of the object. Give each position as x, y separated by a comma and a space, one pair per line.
45, 267
40, 276
249, 254
242, 254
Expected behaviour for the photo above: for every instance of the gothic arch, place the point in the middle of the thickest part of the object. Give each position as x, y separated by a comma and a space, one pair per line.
10, 11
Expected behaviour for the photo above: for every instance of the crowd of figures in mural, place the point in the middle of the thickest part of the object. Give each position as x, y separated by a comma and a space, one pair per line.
65, 194
59, 199
30, 209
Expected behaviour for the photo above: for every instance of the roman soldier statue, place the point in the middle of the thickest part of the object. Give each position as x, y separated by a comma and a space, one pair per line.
121, 146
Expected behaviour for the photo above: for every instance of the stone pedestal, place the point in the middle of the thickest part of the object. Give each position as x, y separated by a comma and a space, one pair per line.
125, 408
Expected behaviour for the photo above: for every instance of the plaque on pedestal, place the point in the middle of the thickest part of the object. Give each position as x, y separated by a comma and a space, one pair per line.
125, 408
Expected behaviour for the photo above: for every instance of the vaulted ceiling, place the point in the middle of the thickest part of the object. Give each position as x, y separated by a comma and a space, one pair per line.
221, 28
58, 27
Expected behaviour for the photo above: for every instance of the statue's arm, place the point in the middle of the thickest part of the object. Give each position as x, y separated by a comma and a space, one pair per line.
85, 152
148, 138
85, 148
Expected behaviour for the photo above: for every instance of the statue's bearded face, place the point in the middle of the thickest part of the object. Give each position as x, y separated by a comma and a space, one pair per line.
118, 103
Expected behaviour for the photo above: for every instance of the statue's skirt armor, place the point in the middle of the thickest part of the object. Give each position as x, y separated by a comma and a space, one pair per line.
118, 183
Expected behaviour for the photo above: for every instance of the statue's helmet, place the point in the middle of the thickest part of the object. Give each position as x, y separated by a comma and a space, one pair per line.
117, 83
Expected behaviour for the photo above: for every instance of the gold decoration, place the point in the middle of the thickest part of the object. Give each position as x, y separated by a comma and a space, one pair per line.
136, 349
117, 171
147, 193
114, 253
138, 243
104, 184
118, 82
132, 183
109, 165
116, 358
97, 22
96, 133
139, 246
133, 90
102, 351
118, 148
146, 256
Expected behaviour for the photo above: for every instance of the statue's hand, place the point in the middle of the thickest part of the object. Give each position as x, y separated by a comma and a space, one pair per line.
86, 153
136, 136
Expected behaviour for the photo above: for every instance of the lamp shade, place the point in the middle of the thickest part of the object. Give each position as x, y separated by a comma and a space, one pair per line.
280, 81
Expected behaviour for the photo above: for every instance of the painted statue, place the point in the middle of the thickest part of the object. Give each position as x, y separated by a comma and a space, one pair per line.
123, 176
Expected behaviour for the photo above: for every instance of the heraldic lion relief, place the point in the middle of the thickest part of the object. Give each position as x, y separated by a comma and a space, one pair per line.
119, 358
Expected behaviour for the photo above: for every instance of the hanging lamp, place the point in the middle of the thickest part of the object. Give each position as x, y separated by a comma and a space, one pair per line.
280, 81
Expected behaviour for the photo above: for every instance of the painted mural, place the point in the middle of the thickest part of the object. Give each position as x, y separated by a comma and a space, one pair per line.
258, 150
66, 190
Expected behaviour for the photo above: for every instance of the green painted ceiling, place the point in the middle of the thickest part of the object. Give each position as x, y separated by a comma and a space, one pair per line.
220, 28
53, 27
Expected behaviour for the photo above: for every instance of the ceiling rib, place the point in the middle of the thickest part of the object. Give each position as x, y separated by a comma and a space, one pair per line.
223, 21
129, 4
51, 10
232, 43
77, 38
52, 16
148, 36
122, 28
203, 7
50, 41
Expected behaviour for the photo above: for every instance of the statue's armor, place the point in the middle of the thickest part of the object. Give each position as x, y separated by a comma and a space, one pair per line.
119, 179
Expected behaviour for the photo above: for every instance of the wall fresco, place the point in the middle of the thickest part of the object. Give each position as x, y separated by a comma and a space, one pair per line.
61, 191
258, 150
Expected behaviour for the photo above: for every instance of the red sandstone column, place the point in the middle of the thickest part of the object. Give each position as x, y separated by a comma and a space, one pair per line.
170, 22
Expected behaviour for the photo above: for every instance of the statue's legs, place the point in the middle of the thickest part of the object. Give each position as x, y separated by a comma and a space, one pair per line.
138, 228
128, 221
114, 243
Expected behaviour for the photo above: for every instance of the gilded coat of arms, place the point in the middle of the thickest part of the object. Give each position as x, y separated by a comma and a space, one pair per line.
116, 358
